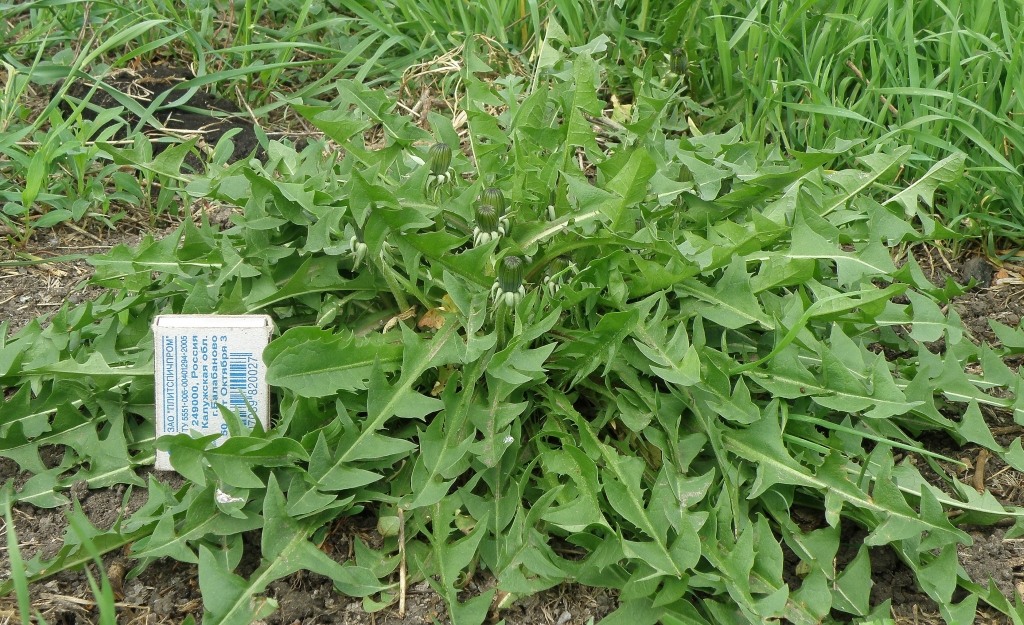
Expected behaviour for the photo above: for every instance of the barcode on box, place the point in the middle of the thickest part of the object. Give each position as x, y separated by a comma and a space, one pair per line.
242, 382
205, 362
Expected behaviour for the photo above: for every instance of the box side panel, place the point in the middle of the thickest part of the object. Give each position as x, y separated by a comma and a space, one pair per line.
200, 369
202, 322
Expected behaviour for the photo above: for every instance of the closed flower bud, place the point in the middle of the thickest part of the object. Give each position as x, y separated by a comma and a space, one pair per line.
557, 266
487, 217
554, 274
491, 225
679, 61
510, 274
494, 197
440, 158
358, 248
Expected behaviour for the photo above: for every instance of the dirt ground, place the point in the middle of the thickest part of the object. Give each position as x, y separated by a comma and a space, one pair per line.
167, 591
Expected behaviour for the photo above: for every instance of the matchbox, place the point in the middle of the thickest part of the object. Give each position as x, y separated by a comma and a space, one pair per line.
203, 361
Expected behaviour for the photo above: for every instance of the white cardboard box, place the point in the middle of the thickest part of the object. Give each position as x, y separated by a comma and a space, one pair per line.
203, 361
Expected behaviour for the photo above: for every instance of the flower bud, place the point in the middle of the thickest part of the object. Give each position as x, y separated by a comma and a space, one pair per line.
487, 217
554, 274
440, 158
358, 248
494, 197
510, 274
679, 61
557, 266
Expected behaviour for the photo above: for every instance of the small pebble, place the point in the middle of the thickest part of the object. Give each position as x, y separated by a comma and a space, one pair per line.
135, 593
164, 604
978, 269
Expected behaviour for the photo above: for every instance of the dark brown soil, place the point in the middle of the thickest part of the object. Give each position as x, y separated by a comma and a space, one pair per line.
168, 591
28, 290
178, 114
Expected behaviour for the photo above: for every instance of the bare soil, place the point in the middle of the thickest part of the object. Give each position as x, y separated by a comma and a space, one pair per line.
177, 112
